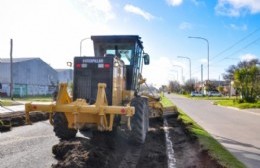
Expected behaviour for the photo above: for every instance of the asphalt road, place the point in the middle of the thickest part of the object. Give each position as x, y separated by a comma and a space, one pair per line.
237, 130
28, 146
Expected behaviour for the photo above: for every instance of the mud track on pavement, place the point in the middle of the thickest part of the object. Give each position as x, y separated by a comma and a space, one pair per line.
113, 150
14, 119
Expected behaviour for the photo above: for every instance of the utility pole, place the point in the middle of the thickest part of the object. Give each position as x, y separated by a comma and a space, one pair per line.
218, 80
11, 69
201, 73
202, 77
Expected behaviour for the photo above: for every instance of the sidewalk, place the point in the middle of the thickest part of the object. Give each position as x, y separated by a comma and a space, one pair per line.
254, 110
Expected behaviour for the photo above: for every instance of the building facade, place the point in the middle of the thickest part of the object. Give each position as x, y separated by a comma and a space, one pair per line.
31, 76
65, 75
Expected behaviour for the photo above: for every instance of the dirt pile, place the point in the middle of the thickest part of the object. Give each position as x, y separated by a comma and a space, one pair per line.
14, 119
74, 153
111, 150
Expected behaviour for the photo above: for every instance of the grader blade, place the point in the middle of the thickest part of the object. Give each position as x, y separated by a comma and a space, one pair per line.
160, 106
170, 111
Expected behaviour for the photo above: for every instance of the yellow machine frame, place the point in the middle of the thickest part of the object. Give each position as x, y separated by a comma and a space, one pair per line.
79, 113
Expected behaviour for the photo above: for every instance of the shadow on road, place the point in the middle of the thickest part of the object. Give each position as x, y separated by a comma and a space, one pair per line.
250, 158
234, 142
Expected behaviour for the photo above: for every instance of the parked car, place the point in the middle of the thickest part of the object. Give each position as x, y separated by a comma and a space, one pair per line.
214, 93
196, 93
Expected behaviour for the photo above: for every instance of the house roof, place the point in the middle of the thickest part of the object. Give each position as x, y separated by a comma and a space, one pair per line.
15, 60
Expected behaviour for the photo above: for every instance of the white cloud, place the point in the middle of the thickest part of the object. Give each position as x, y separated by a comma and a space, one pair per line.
51, 29
161, 70
198, 2
99, 8
203, 61
158, 69
237, 7
238, 27
248, 57
174, 2
138, 11
185, 26
102, 5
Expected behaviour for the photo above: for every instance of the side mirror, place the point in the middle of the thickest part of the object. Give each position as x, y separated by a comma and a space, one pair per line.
69, 64
146, 59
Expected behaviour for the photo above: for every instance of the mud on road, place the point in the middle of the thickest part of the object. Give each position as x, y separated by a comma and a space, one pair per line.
113, 150
14, 119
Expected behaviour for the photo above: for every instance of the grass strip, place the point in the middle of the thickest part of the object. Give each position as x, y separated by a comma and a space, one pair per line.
166, 102
214, 148
9, 102
236, 104
6, 102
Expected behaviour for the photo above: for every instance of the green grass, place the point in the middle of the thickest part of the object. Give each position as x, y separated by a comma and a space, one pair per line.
5, 102
9, 102
214, 148
228, 101
166, 102
37, 98
212, 98
233, 103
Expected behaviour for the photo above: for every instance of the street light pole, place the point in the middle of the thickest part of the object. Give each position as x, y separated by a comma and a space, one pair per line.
181, 71
177, 74
81, 44
208, 49
189, 62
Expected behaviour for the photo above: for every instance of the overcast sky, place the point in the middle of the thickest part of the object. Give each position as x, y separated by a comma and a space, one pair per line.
52, 30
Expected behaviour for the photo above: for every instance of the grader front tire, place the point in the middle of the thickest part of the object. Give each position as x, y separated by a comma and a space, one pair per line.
60, 127
139, 120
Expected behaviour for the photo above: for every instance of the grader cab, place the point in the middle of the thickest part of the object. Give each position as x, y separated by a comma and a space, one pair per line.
105, 91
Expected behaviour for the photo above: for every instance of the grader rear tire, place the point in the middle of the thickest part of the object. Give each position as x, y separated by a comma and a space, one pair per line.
139, 120
60, 127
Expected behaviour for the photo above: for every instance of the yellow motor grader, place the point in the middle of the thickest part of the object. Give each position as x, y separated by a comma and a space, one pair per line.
105, 91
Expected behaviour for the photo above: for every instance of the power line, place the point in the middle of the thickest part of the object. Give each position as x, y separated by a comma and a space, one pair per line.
196, 70
236, 43
249, 44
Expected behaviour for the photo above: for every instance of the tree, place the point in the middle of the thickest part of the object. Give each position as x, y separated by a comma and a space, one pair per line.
246, 79
174, 86
189, 86
210, 86
220, 89
229, 76
163, 88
